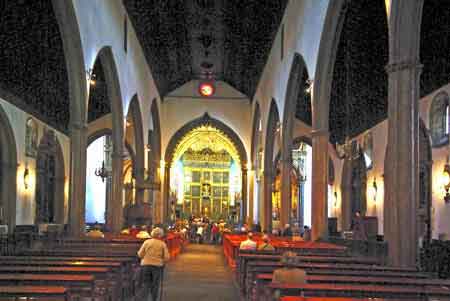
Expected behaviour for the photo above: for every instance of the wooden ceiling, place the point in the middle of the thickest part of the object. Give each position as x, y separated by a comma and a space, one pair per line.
227, 40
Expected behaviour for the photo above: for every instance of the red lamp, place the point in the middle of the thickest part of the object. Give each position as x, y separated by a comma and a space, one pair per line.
206, 89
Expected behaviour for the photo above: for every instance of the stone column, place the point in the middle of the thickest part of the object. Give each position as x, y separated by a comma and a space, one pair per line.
139, 194
77, 188
251, 196
164, 203
402, 163
243, 215
115, 212
401, 172
266, 223
319, 227
286, 202
301, 203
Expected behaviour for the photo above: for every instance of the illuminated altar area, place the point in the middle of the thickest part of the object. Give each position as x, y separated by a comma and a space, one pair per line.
206, 178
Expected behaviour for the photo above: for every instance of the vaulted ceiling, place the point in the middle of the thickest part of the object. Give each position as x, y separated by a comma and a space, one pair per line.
227, 40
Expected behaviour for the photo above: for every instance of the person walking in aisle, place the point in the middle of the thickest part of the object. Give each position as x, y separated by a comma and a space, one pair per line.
153, 254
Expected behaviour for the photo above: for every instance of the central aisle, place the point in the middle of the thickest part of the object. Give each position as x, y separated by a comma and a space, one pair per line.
199, 274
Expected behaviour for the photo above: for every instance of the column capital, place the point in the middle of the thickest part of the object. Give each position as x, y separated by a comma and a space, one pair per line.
118, 155
320, 133
393, 67
78, 126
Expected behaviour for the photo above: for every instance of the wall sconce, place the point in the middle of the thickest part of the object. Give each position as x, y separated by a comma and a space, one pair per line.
26, 175
374, 189
335, 199
446, 182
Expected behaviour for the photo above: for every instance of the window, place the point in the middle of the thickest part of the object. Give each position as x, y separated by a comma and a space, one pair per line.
439, 119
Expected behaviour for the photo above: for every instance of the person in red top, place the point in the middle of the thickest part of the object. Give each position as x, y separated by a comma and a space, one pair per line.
214, 233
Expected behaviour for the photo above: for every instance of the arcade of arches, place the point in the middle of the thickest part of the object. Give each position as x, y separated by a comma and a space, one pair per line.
336, 107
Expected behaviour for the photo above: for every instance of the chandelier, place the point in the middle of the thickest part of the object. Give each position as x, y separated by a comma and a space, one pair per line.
102, 172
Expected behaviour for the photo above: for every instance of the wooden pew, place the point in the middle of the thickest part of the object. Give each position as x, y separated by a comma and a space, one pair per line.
54, 293
130, 268
367, 291
78, 285
297, 298
257, 267
263, 280
104, 282
244, 259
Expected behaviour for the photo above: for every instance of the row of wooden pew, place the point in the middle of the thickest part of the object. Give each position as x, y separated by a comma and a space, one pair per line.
76, 269
330, 277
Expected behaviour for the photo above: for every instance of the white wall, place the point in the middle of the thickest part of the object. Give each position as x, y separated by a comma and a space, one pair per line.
101, 24
303, 22
440, 210
185, 104
26, 201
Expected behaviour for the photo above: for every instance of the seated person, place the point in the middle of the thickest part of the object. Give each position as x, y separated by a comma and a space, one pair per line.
306, 233
143, 234
125, 231
95, 232
249, 244
296, 235
265, 246
287, 231
289, 273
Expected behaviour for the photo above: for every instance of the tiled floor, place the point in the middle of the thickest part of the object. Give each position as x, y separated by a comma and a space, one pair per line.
199, 274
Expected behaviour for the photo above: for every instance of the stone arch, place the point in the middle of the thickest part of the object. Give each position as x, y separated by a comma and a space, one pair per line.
134, 111
154, 140
50, 177
8, 166
98, 134
255, 129
71, 37
329, 41
294, 90
269, 171
425, 184
114, 214
257, 165
206, 119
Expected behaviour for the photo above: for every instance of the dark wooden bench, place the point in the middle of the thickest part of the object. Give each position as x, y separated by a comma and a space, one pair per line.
103, 276
78, 285
263, 280
366, 291
297, 298
54, 293
244, 259
257, 267
130, 268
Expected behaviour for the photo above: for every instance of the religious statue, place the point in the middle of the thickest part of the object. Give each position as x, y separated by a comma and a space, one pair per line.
31, 136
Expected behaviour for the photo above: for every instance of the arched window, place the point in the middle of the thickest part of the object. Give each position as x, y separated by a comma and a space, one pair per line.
439, 119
